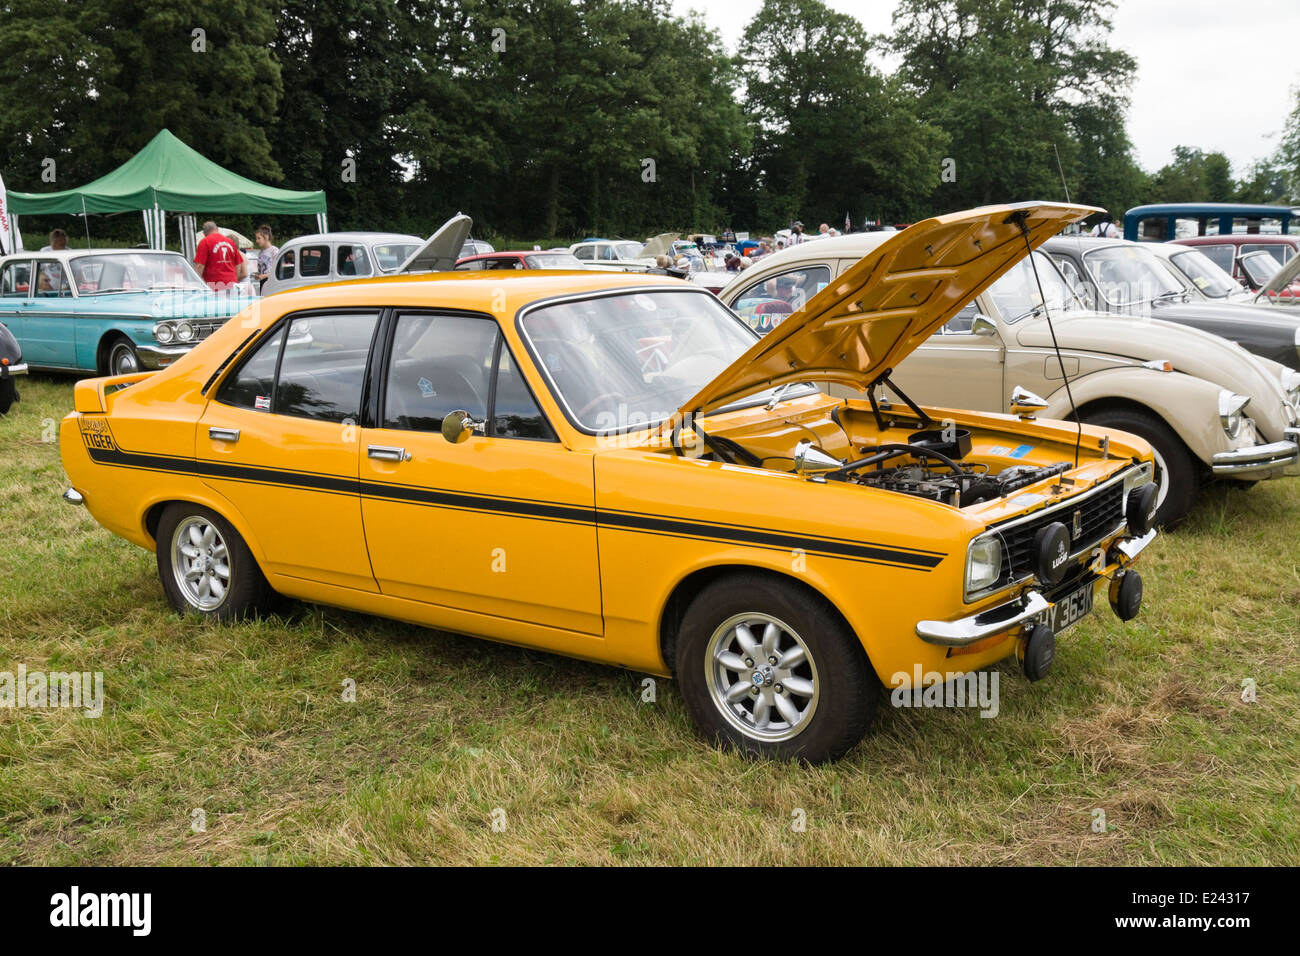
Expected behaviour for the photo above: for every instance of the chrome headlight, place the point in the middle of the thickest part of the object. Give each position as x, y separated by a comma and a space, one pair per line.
983, 564
1230, 408
1138, 475
163, 333
185, 332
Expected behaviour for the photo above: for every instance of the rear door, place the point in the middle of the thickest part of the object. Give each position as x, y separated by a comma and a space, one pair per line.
280, 440
49, 322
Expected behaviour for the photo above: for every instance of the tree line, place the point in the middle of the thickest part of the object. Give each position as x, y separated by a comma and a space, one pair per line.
566, 118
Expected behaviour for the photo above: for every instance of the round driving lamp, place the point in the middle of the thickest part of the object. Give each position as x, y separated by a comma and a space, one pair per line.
184, 332
1051, 551
1140, 509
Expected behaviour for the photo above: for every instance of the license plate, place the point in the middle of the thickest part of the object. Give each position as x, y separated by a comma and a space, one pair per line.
1070, 609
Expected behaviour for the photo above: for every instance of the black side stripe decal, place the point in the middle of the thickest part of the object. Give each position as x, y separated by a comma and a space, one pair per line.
543, 510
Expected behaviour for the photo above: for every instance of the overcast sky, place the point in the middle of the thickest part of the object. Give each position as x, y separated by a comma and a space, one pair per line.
1211, 74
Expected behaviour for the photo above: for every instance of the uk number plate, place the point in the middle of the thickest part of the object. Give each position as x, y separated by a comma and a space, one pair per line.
1070, 609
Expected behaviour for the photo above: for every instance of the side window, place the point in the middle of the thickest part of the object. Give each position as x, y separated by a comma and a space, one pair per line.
585, 253
253, 384
352, 260
439, 364
51, 280
324, 366
474, 265
960, 323
1222, 256
284, 269
514, 412
766, 303
314, 261
16, 280
608, 253
1276, 250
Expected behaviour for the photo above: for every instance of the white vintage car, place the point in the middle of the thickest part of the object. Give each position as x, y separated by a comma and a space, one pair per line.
1208, 408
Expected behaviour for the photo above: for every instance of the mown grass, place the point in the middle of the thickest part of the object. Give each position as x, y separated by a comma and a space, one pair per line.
1144, 721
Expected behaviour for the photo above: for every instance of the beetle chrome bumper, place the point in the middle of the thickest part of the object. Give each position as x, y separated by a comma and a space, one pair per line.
1014, 613
1248, 461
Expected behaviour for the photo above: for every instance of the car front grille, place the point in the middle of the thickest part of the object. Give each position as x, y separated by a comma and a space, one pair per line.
1100, 513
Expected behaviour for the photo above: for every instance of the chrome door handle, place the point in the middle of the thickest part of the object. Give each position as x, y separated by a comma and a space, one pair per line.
388, 452
223, 434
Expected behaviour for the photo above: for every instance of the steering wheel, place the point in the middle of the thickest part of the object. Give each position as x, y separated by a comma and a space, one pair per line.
596, 403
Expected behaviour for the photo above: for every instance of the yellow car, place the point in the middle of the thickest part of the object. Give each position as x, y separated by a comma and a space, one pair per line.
614, 467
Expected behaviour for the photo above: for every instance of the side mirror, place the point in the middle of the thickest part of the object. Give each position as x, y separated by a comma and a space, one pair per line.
1024, 403
809, 459
981, 324
457, 426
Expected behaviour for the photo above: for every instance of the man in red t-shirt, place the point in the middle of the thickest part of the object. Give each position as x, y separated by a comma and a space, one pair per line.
218, 261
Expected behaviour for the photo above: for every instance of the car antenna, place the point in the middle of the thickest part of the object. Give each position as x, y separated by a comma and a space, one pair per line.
1018, 217
1060, 170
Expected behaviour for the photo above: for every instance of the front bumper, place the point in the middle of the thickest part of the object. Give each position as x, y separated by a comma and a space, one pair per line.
1278, 455
154, 357
1014, 613
8, 370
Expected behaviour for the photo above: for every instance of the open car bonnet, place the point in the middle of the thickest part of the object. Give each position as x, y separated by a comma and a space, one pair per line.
441, 250
660, 245
875, 313
1285, 276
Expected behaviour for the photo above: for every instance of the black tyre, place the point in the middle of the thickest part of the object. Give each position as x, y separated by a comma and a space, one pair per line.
8, 394
122, 358
770, 669
205, 566
1178, 474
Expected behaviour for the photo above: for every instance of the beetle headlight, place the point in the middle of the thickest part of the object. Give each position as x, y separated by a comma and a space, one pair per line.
983, 564
185, 332
163, 333
1230, 408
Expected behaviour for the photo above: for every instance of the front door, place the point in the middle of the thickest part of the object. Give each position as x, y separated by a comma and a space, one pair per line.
281, 441
501, 524
956, 368
48, 335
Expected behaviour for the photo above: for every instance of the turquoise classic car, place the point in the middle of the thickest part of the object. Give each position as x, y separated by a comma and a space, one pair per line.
108, 311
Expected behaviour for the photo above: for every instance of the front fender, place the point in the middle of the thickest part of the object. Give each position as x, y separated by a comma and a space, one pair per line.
1187, 404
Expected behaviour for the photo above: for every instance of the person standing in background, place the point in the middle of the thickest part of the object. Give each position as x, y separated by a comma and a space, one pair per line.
218, 261
1106, 228
58, 241
265, 256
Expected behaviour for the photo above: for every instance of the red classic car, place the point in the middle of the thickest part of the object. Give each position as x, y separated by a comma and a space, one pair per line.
1246, 257
533, 259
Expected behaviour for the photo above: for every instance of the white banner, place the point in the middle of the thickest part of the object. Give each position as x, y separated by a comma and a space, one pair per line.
6, 226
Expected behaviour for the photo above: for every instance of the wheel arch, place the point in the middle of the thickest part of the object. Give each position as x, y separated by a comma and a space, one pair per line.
153, 515
685, 591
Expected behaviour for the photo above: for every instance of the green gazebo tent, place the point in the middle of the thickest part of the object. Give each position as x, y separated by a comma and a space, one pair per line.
169, 175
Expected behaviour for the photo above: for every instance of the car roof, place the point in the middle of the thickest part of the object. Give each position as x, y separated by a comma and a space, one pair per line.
1239, 239
73, 253
355, 236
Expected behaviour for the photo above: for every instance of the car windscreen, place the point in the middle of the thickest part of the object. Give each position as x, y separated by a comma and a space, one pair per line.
553, 260
1016, 293
1128, 275
631, 359
1204, 274
388, 256
627, 250
133, 272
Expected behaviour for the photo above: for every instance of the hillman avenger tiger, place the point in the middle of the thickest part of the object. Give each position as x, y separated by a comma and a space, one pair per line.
616, 468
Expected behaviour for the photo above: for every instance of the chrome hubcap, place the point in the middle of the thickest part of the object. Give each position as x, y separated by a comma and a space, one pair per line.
761, 677
200, 563
124, 362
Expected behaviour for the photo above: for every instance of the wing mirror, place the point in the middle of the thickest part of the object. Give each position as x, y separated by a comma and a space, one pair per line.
1024, 403
981, 324
809, 459
457, 426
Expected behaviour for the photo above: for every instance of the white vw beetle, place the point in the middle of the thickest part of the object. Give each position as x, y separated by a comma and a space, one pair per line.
1208, 408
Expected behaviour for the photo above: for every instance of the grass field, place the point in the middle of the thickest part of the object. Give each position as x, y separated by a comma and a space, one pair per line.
248, 724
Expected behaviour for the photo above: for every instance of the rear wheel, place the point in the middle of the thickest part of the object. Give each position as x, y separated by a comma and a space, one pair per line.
770, 669
1178, 474
123, 359
205, 566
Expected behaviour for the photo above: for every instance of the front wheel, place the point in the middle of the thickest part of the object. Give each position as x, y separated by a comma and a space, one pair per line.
123, 359
1177, 473
8, 394
205, 566
770, 669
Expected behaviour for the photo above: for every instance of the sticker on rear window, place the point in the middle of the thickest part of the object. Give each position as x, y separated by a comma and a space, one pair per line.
426, 388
